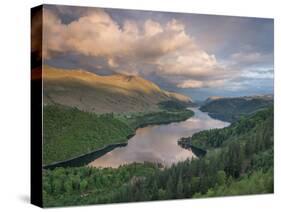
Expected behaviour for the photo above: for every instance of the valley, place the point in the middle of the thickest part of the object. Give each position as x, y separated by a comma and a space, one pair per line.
70, 133
132, 106
115, 139
238, 161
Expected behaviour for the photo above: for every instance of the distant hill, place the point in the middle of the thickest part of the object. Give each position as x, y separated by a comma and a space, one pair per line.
212, 98
101, 94
230, 109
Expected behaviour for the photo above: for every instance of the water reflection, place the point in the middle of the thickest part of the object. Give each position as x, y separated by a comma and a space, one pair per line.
159, 143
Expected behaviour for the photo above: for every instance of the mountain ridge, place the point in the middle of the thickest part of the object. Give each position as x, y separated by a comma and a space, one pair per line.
95, 93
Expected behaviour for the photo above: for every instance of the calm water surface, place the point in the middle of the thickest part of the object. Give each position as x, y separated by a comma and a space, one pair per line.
159, 143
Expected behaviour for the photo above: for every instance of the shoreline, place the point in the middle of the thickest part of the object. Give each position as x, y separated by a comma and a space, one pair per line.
74, 160
199, 152
93, 155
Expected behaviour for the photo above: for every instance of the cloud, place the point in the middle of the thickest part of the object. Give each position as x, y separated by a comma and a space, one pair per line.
245, 59
129, 47
192, 62
96, 34
147, 47
201, 84
258, 74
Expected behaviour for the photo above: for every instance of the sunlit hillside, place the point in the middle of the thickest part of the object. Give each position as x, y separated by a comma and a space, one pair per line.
94, 93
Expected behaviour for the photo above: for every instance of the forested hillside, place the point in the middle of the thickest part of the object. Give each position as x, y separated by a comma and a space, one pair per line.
257, 125
231, 109
69, 132
239, 160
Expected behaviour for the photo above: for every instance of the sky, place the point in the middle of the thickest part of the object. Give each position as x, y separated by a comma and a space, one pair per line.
194, 54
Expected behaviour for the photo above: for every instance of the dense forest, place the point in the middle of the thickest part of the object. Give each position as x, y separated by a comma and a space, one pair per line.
173, 105
239, 160
69, 132
231, 109
257, 124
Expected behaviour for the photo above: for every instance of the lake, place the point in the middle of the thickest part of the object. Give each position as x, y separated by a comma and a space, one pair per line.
158, 143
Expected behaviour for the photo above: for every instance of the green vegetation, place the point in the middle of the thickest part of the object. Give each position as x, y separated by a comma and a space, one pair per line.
173, 105
239, 162
257, 125
258, 182
73, 186
69, 132
137, 120
231, 109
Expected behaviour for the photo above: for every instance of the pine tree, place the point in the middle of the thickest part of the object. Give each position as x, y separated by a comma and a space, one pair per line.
180, 189
170, 188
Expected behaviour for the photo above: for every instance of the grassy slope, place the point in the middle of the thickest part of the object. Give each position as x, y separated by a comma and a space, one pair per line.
69, 132
241, 164
103, 94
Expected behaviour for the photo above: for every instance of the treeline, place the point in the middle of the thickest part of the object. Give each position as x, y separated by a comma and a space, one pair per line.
243, 164
69, 132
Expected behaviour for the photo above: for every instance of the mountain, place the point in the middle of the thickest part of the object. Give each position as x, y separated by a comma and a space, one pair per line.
212, 98
94, 93
230, 109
